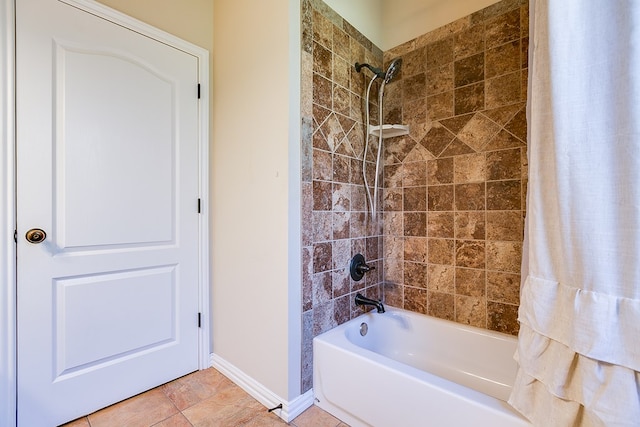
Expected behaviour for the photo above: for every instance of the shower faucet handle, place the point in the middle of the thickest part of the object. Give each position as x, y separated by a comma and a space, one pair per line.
363, 268
359, 267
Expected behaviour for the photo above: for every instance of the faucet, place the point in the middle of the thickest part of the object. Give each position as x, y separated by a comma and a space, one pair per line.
362, 300
358, 267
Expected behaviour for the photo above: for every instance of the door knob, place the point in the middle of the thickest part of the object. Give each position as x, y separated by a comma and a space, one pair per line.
36, 235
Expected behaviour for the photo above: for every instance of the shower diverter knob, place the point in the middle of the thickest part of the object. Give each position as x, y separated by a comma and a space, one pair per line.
359, 267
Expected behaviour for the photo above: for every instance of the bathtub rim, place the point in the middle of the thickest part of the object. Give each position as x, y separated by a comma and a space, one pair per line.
391, 310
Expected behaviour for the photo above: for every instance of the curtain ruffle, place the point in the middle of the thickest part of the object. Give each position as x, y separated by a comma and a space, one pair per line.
578, 355
596, 325
557, 386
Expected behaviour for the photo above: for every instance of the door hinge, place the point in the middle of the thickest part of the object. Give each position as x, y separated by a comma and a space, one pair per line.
199, 206
198, 90
15, 236
199, 320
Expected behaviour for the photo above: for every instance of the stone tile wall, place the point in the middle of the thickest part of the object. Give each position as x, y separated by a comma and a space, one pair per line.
335, 222
455, 188
450, 240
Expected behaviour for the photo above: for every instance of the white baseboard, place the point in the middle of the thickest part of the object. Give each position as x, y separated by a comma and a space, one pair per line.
290, 409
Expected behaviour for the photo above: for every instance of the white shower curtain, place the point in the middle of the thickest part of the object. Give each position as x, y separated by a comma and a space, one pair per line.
579, 341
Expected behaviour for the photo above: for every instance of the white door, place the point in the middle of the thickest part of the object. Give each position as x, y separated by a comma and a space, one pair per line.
107, 167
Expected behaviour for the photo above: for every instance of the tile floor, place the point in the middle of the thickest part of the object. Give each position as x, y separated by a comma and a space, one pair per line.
204, 398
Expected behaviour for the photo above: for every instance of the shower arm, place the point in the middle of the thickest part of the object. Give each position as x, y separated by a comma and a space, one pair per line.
377, 71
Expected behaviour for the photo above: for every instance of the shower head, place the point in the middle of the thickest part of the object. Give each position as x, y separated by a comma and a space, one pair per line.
377, 71
393, 69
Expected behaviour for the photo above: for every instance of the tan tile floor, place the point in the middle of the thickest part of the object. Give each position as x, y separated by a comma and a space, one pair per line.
204, 398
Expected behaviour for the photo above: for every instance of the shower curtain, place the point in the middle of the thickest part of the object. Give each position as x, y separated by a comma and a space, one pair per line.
579, 341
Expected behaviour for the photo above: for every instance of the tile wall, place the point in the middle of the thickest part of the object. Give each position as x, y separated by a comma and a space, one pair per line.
455, 188
449, 241
335, 222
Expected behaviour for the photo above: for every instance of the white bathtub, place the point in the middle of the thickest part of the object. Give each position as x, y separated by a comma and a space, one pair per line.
415, 370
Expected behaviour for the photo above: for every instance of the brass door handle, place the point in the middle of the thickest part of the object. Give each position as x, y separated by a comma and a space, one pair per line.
36, 235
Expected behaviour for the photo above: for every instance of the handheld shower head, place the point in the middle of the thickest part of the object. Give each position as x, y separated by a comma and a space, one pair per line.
386, 76
393, 69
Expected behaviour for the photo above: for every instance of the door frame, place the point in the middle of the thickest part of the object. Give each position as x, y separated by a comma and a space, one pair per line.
8, 278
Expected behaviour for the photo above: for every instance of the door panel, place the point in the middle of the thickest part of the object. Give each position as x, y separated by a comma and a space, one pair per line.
92, 306
107, 165
92, 139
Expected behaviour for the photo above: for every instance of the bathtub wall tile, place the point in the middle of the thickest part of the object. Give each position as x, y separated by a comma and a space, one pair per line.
503, 287
449, 236
440, 278
415, 274
470, 253
323, 318
470, 225
441, 305
441, 251
415, 224
342, 310
393, 294
415, 249
322, 288
502, 317
440, 171
504, 164
341, 285
322, 257
471, 311
505, 225
307, 349
440, 224
470, 282
335, 222
459, 208
415, 299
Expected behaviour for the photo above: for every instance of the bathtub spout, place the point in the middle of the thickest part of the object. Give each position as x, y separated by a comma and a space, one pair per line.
361, 300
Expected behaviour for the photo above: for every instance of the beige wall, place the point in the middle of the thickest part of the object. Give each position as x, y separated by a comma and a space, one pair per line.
404, 20
251, 190
188, 19
388, 23
365, 15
